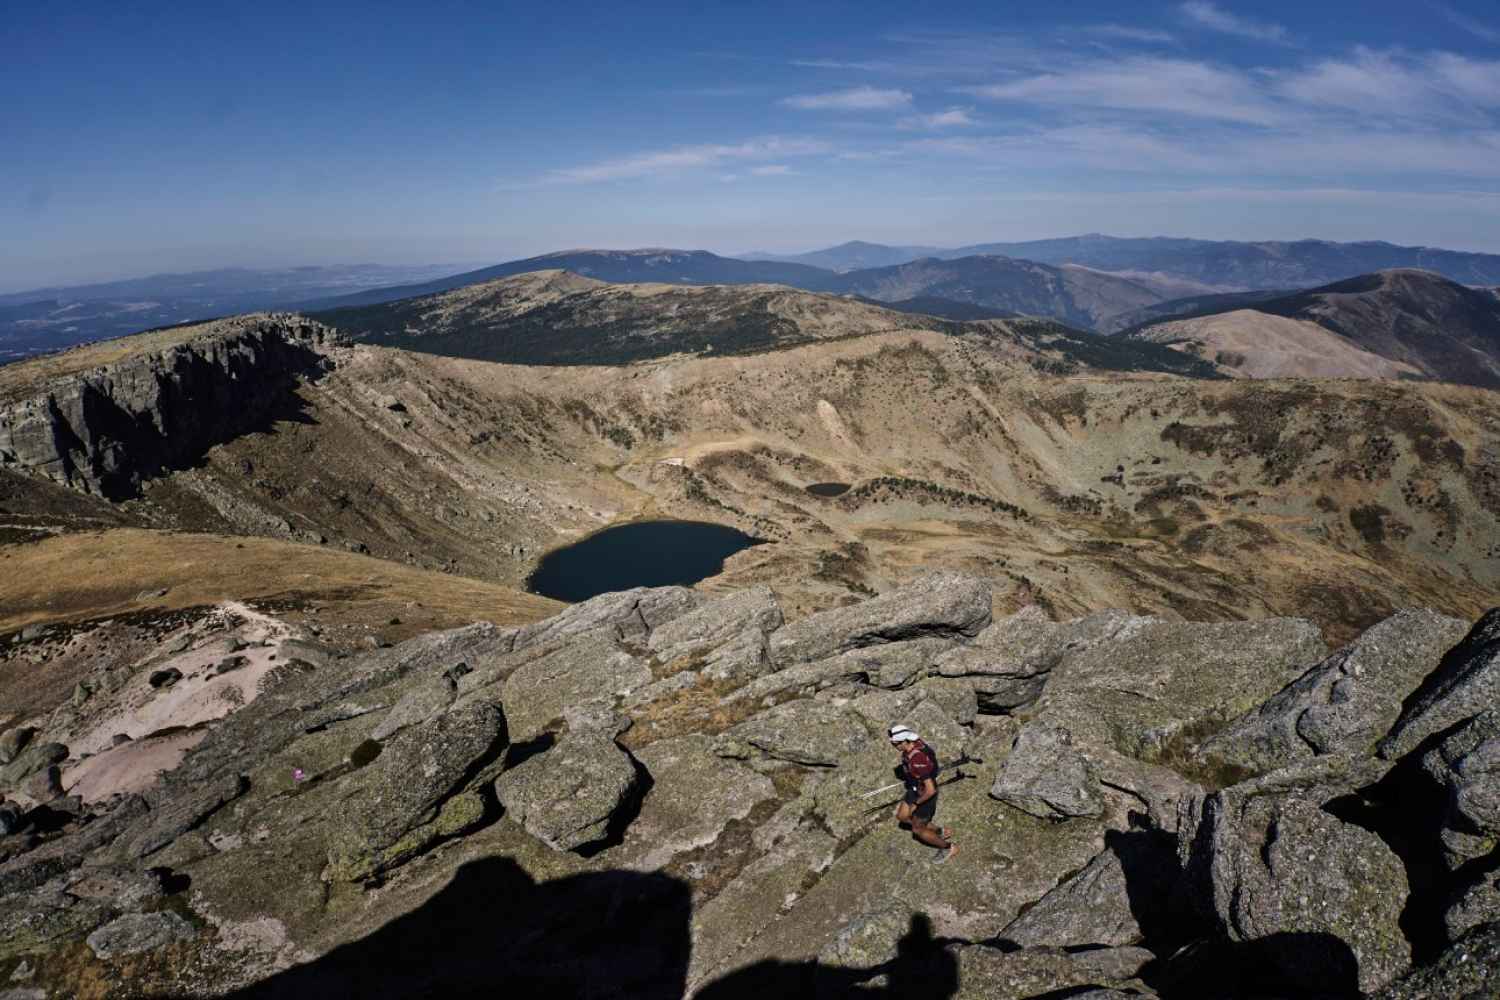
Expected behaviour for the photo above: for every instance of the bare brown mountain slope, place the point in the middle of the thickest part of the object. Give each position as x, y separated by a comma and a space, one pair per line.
1414, 318
1337, 501
1257, 345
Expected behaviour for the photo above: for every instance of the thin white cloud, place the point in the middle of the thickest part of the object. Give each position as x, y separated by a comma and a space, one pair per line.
772, 170
952, 118
863, 66
853, 99
1304, 152
1215, 18
1173, 86
1474, 26
1130, 33
685, 158
1434, 87
1431, 91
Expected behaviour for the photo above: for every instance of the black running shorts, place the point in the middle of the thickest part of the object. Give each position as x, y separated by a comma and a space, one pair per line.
926, 810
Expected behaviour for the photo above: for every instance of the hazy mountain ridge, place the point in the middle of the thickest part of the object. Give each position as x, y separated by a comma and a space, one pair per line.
1419, 321
855, 255
1113, 283
53, 318
664, 266
559, 318
1229, 264
1077, 296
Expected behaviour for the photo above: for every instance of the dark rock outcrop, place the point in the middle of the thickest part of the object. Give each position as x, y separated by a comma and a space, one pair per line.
1266, 860
106, 430
420, 789
591, 746
948, 605
1466, 682
567, 796
1470, 968
1046, 777
1347, 702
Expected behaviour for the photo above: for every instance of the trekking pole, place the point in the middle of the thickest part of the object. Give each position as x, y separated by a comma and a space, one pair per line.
958, 775
882, 788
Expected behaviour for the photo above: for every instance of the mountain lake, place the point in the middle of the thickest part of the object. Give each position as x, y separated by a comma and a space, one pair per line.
640, 554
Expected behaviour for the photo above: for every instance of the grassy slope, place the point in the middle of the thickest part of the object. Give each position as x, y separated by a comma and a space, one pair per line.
90, 575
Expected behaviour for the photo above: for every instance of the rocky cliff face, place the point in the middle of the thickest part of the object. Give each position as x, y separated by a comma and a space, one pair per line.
657, 793
106, 429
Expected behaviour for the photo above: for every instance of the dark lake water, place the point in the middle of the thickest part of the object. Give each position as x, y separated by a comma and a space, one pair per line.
641, 554
827, 489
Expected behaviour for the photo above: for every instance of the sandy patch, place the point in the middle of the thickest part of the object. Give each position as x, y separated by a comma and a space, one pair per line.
129, 768
201, 695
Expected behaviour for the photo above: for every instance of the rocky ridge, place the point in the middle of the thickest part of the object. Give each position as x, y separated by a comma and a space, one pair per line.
671, 786
104, 429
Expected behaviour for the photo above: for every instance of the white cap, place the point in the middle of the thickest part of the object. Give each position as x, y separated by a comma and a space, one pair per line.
903, 734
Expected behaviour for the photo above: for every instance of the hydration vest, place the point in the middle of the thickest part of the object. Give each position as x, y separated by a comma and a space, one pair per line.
917, 767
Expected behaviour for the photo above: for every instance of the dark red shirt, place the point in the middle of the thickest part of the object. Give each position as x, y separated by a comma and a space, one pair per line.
917, 766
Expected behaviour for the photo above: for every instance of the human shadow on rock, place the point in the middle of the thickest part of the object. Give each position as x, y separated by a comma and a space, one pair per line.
494, 932
1294, 966
923, 969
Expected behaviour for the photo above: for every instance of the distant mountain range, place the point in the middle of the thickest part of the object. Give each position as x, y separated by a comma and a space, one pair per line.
1394, 323
1400, 323
669, 267
964, 288
1226, 265
47, 319
1100, 283
558, 317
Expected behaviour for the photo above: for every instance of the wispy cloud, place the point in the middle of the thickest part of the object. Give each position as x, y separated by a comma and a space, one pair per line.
772, 170
1173, 86
853, 99
1433, 87
1215, 18
1130, 33
952, 118
686, 158
1309, 152
1474, 26
859, 65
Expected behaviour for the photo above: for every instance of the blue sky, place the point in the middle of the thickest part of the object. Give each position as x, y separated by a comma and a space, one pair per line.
199, 135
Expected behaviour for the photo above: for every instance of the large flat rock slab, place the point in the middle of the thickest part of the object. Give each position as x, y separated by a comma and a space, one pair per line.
538, 694
1164, 682
567, 796
943, 605
694, 795
1348, 701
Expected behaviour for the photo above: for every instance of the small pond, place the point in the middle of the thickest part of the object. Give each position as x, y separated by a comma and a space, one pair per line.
640, 554
827, 489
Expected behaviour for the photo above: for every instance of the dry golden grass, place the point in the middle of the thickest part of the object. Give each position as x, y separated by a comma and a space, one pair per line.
20, 377
95, 574
699, 709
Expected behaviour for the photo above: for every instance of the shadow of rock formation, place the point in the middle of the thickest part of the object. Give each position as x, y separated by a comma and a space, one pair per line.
923, 969
494, 932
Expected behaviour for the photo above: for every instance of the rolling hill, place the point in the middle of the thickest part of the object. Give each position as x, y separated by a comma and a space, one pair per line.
560, 318
856, 255
1074, 295
674, 267
1078, 296
1418, 322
